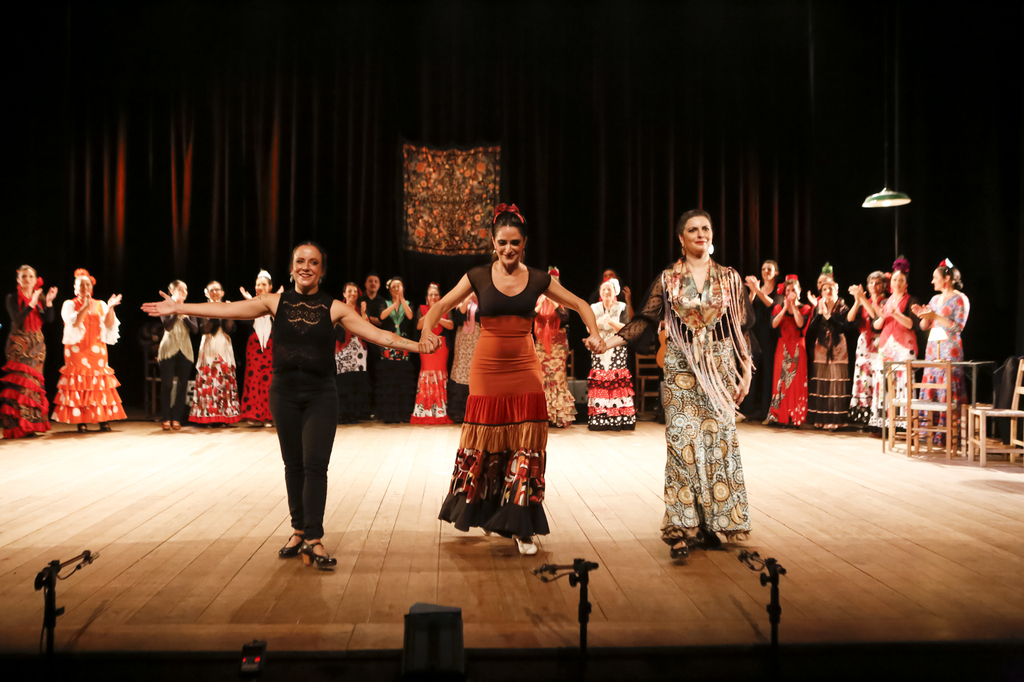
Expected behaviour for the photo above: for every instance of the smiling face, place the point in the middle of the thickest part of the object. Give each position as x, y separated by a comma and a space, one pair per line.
822, 278
83, 286
27, 279
509, 243
180, 293
433, 296
898, 283
696, 236
351, 294
215, 292
307, 267
263, 286
607, 294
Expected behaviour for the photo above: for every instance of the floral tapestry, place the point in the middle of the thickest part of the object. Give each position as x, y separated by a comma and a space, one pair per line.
450, 195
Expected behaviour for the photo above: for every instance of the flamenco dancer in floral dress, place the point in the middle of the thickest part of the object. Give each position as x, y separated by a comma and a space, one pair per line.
498, 481
789, 397
432, 390
350, 357
867, 397
23, 404
216, 401
944, 318
87, 390
553, 352
467, 334
259, 360
610, 384
706, 311
897, 339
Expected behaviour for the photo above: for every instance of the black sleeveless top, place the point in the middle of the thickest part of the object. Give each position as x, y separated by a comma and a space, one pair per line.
493, 303
304, 334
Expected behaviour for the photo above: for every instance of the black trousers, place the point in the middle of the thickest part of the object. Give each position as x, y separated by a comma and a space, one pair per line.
176, 366
305, 411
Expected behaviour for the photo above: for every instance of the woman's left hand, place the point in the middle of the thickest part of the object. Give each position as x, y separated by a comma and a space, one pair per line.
51, 294
115, 299
595, 344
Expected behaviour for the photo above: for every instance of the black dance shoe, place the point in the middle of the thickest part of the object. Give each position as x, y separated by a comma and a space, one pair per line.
323, 562
287, 552
710, 539
680, 552
82, 428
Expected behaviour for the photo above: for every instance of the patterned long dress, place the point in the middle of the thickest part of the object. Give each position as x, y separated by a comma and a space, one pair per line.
467, 334
896, 344
216, 399
828, 395
431, 405
944, 344
552, 347
610, 383
789, 397
87, 390
259, 371
867, 395
703, 473
23, 403
352, 378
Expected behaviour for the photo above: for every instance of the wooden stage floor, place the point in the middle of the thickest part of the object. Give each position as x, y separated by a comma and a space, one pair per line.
878, 547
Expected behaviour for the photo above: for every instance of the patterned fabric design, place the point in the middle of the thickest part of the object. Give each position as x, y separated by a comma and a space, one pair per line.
868, 395
465, 344
431, 399
449, 195
789, 397
23, 403
87, 389
350, 358
945, 344
502, 477
259, 371
610, 392
703, 473
561, 406
216, 397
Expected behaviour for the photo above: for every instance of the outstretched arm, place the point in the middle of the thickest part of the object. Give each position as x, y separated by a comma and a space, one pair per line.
453, 298
248, 309
559, 294
352, 321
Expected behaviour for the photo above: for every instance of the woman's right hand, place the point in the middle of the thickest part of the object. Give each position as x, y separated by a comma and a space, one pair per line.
752, 283
244, 292
158, 308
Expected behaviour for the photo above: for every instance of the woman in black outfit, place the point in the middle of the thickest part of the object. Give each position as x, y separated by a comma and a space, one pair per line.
764, 296
303, 396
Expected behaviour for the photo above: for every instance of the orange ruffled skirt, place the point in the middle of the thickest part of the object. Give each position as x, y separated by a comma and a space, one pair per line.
498, 481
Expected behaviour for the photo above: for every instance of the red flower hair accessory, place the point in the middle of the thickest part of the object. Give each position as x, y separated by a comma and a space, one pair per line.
39, 282
502, 208
553, 271
82, 272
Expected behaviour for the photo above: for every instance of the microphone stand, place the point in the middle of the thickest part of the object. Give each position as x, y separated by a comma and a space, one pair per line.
579, 574
46, 581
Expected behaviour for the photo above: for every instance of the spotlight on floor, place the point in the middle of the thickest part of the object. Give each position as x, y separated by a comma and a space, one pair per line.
433, 644
253, 655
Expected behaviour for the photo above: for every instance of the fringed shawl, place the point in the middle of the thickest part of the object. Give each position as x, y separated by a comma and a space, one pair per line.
695, 320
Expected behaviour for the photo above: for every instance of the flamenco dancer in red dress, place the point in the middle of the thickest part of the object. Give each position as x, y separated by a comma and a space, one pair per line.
259, 360
432, 392
789, 397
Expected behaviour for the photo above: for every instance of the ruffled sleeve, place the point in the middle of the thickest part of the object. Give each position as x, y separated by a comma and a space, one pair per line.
108, 335
72, 333
641, 333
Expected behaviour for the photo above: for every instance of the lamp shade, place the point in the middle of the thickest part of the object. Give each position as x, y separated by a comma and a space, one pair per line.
886, 197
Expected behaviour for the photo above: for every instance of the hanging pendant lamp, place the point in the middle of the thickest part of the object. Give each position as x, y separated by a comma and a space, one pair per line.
889, 197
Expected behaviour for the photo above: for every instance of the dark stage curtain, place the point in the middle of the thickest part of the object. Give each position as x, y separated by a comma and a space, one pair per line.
201, 141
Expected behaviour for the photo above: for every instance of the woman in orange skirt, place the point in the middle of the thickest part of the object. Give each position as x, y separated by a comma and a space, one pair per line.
87, 390
498, 482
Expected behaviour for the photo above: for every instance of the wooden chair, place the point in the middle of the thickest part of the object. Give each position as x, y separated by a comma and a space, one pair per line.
895, 406
977, 426
919, 424
149, 340
646, 371
570, 365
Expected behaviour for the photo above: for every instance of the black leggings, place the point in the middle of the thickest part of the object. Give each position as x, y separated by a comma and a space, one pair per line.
305, 411
175, 366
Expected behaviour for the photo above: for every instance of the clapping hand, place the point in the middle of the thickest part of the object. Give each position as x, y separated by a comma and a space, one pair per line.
35, 298
115, 299
857, 291
627, 294
164, 307
51, 294
812, 298
752, 283
244, 292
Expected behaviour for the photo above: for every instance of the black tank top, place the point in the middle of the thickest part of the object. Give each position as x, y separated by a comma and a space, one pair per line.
494, 303
303, 334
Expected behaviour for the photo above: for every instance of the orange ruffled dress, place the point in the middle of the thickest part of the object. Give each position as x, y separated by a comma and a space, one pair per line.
87, 390
498, 481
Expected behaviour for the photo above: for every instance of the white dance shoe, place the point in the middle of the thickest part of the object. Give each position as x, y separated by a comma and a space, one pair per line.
526, 547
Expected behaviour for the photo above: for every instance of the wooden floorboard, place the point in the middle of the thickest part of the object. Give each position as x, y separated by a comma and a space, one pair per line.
878, 546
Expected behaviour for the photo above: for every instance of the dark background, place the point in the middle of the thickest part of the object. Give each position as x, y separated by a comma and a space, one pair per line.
152, 141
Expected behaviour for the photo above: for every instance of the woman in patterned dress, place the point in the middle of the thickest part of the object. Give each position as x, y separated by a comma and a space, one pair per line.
498, 480
87, 390
216, 401
944, 318
350, 356
259, 360
789, 396
706, 311
23, 403
866, 399
552, 348
897, 339
467, 333
828, 395
396, 377
610, 384
432, 390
